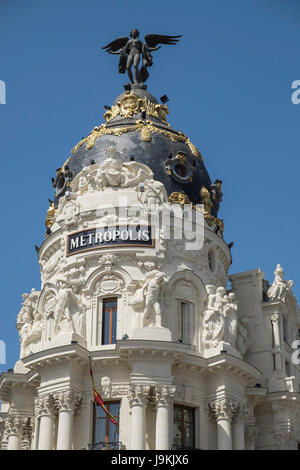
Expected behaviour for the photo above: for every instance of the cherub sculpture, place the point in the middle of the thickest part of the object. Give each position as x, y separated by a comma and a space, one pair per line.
131, 50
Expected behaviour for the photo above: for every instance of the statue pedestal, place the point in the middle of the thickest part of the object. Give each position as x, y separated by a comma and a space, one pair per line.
63, 339
152, 333
222, 347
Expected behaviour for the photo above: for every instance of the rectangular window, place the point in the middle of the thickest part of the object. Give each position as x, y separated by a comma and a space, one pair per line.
109, 321
186, 322
183, 427
105, 433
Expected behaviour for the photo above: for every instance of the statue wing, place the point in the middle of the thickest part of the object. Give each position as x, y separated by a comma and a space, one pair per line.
152, 40
116, 45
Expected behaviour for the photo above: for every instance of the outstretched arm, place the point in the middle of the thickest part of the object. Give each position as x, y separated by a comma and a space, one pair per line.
151, 49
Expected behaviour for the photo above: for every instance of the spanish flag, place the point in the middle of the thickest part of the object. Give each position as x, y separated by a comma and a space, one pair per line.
98, 399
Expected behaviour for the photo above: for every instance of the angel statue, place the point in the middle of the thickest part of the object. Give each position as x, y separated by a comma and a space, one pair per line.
130, 51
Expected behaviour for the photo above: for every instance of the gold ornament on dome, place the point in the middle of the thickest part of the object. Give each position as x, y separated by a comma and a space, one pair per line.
146, 134
208, 205
206, 201
131, 104
179, 198
146, 127
50, 217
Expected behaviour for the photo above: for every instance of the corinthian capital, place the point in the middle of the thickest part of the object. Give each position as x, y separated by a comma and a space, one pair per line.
241, 413
164, 394
13, 425
20, 425
67, 400
275, 318
138, 394
224, 408
44, 405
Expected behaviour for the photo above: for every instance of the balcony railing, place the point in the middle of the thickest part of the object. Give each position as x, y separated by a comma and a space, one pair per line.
182, 447
106, 446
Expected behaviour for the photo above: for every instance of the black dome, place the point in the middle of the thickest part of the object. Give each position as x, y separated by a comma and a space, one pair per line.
139, 131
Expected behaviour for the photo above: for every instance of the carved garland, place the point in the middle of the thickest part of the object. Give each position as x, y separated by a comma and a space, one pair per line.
145, 127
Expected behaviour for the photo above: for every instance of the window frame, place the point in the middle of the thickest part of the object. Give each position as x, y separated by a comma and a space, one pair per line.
180, 322
111, 320
189, 408
107, 420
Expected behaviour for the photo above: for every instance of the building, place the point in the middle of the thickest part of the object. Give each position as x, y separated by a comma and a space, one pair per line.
180, 361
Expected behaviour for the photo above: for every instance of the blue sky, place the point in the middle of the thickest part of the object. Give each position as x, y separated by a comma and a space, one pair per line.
229, 83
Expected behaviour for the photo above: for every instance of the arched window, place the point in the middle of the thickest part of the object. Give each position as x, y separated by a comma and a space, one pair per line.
186, 322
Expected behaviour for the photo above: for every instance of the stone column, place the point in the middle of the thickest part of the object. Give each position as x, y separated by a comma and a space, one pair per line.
250, 437
45, 409
138, 397
13, 428
163, 399
66, 402
223, 410
238, 427
275, 319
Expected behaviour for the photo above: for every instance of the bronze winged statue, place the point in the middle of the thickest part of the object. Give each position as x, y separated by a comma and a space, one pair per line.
131, 50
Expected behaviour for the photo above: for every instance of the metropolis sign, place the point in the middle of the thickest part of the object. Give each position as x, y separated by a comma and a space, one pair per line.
95, 238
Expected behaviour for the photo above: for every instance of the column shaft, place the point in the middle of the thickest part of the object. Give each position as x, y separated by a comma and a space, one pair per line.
46, 432
138, 427
224, 434
162, 437
238, 436
14, 442
65, 430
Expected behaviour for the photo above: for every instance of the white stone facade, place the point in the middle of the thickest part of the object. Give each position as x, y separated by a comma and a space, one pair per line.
230, 364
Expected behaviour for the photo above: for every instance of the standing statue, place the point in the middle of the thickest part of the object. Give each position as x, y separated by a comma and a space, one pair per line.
29, 323
280, 287
213, 319
231, 319
148, 297
131, 50
220, 319
69, 311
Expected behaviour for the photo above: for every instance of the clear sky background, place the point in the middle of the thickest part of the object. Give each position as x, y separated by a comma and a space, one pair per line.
229, 83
